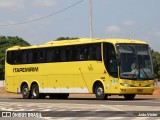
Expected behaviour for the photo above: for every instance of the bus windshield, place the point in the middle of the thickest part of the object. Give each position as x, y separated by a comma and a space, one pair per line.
135, 61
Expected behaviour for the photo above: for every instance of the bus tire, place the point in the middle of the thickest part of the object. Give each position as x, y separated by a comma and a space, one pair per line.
99, 92
35, 91
25, 92
129, 96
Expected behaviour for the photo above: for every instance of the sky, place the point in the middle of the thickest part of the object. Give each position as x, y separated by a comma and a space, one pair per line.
133, 19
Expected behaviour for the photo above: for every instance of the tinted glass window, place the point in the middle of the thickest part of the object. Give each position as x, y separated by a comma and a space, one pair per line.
50, 55
24, 56
110, 59
56, 54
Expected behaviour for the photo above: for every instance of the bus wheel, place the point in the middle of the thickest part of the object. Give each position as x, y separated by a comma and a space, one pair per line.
99, 92
129, 96
35, 91
25, 92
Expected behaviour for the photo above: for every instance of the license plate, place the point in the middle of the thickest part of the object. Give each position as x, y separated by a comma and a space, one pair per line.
140, 90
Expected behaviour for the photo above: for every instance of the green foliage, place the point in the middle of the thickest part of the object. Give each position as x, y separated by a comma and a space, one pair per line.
156, 59
66, 38
5, 43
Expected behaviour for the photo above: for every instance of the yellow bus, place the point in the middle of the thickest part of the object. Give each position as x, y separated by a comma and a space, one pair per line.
103, 67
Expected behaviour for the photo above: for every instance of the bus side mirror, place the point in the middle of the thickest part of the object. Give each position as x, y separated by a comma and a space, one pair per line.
118, 59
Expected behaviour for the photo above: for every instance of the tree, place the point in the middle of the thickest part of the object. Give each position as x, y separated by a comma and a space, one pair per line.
156, 60
5, 43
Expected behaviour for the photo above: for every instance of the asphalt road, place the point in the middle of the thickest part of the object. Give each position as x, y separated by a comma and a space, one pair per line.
153, 102
85, 108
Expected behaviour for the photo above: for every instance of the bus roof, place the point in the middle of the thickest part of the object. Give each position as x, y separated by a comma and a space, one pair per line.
80, 41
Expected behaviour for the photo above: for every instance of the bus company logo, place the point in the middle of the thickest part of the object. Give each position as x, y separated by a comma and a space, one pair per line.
6, 114
29, 69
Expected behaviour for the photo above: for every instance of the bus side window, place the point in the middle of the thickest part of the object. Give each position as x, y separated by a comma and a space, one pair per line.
86, 52
10, 57
35, 56
63, 55
74, 55
68, 54
41, 56
50, 55
57, 53
98, 52
95, 52
24, 57
79, 55
92, 53
17, 56
14, 57
30, 56
83, 52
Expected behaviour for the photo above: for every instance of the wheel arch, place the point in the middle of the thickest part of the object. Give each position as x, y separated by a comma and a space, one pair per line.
24, 83
34, 82
97, 82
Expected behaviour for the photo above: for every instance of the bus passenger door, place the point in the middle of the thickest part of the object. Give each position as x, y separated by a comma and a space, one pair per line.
110, 62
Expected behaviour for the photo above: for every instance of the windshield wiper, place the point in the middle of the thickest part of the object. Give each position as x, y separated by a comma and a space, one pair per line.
145, 73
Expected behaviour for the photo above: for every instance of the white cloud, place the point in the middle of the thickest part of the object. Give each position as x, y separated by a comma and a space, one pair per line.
44, 3
157, 33
113, 29
11, 4
128, 23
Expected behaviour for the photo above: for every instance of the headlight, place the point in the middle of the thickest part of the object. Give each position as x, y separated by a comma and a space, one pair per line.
125, 84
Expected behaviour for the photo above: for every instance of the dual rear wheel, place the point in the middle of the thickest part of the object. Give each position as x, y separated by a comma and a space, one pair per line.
34, 93
26, 93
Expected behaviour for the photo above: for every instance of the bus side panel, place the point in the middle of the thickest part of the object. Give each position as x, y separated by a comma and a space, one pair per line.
81, 77
16, 84
53, 84
114, 85
66, 82
9, 84
87, 73
80, 83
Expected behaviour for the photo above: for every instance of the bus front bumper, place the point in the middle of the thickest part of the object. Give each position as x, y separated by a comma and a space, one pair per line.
137, 90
